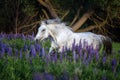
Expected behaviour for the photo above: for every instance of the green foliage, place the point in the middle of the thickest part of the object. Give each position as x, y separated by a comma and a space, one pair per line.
16, 13
28, 7
16, 68
116, 46
17, 43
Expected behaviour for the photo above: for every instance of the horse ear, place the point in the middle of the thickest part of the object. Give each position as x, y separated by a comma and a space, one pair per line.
42, 22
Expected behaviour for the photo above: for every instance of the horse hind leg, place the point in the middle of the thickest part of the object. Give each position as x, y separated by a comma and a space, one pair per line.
108, 46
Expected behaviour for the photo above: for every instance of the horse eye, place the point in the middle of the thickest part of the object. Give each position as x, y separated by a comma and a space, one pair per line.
43, 30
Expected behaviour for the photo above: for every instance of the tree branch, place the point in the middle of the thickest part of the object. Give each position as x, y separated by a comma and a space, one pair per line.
88, 28
25, 26
45, 13
101, 24
30, 29
49, 7
76, 16
81, 21
66, 13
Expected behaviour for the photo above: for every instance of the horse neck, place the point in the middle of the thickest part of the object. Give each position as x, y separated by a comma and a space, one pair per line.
63, 34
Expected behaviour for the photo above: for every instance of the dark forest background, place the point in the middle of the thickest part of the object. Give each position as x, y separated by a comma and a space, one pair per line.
98, 16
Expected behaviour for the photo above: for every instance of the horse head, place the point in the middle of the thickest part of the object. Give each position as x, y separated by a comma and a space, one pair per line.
46, 29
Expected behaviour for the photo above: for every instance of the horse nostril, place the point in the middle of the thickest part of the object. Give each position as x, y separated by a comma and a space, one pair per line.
37, 40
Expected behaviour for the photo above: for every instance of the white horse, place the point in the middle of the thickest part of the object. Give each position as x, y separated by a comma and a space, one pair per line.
62, 36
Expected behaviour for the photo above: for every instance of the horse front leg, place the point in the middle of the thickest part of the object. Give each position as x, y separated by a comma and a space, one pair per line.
53, 47
60, 50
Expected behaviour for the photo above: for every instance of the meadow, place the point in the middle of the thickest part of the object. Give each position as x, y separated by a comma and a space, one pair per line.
21, 58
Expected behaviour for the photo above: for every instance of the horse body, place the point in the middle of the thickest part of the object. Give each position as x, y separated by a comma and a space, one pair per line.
62, 36
85, 37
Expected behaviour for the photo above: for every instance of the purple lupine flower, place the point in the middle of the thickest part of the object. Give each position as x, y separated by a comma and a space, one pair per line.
85, 44
23, 36
85, 58
21, 54
3, 35
76, 48
27, 55
16, 53
61, 55
104, 78
89, 59
80, 44
9, 52
113, 64
37, 47
2, 51
73, 45
97, 47
63, 49
33, 35
51, 55
91, 50
1, 54
43, 52
104, 60
76, 77
15, 36
25, 47
97, 55
30, 60
74, 56
90, 55
30, 37
55, 57
5, 47
10, 36
48, 76
32, 51
40, 52
37, 76
86, 62
65, 76
65, 55
47, 58
80, 54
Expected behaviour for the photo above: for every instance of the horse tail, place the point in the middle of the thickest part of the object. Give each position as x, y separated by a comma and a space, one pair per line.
107, 43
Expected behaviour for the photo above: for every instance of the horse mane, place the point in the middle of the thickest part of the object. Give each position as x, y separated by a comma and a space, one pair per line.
66, 27
57, 21
52, 21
